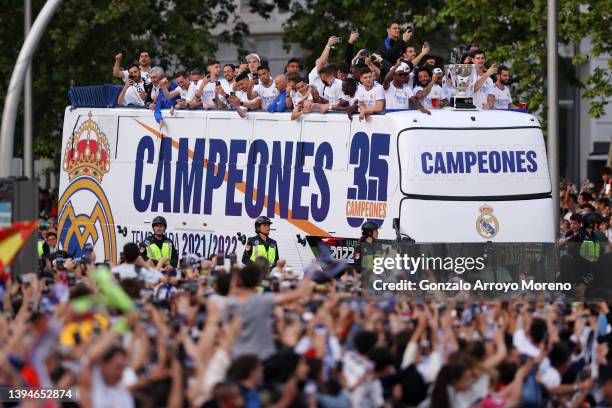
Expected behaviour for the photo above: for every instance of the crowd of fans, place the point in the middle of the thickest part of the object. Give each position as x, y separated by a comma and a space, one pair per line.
205, 334
586, 212
394, 78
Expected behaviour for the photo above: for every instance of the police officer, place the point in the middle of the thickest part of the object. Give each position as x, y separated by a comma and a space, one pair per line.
364, 253
158, 246
261, 244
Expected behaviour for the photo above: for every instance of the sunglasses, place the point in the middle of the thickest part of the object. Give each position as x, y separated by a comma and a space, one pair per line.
402, 74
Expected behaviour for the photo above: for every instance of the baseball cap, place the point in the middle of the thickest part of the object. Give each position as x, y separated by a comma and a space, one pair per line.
403, 69
437, 71
253, 55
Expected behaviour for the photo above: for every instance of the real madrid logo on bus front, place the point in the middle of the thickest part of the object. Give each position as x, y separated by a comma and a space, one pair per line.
487, 224
84, 210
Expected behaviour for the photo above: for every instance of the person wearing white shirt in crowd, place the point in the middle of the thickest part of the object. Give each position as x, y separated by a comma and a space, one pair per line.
427, 89
483, 84
370, 94
348, 101
263, 87
206, 91
134, 267
398, 94
185, 90
410, 55
240, 100
229, 73
303, 99
144, 61
313, 76
101, 373
332, 88
439, 75
135, 91
197, 78
500, 93
253, 62
250, 67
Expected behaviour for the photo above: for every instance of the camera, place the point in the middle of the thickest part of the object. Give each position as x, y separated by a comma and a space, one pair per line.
218, 83
458, 53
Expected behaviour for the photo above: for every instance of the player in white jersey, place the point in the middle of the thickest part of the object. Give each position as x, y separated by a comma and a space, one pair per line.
428, 89
144, 64
398, 93
501, 92
483, 85
185, 90
348, 101
263, 87
371, 95
332, 89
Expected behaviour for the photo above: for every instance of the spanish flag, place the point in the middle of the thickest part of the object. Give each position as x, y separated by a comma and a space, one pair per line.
12, 239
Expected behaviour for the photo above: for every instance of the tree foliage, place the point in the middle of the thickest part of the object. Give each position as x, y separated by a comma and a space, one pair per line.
85, 35
512, 32
313, 21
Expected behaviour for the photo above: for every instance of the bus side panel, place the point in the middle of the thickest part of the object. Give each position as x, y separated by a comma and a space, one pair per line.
211, 174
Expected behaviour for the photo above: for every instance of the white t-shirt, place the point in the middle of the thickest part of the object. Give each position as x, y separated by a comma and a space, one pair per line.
187, 94
107, 396
315, 80
502, 97
350, 99
398, 98
208, 95
334, 92
435, 92
144, 75
370, 97
296, 97
244, 97
551, 377
266, 95
128, 271
480, 96
132, 94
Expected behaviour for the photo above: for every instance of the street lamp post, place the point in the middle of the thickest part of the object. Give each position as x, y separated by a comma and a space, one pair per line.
553, 110
9, 114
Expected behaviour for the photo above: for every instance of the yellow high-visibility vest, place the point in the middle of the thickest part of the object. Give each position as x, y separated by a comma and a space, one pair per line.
154, 253
260, 250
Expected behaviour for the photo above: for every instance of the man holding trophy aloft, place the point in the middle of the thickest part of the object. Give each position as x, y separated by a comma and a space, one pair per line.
472, 82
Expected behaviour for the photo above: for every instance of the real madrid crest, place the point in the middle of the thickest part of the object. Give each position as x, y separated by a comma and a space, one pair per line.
85, 214
487, 224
